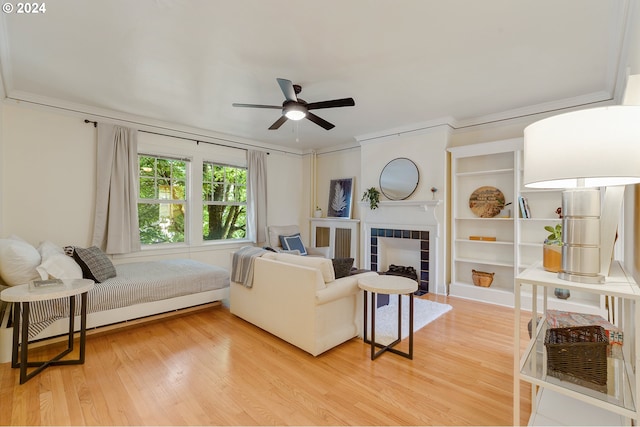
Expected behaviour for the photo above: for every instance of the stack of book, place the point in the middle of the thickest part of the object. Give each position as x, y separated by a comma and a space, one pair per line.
524, 207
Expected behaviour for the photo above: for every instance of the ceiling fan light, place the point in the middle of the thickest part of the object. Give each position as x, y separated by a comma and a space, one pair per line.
295, 112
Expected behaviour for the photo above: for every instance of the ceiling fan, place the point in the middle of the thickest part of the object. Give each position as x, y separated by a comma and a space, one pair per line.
294, 108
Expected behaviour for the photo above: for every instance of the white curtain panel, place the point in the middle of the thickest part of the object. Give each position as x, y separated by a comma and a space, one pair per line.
116, 217
256, 196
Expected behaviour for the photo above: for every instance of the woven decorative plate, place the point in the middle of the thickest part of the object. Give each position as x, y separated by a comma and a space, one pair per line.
486, 202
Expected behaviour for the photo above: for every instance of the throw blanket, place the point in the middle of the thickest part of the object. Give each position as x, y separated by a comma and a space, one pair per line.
242, 264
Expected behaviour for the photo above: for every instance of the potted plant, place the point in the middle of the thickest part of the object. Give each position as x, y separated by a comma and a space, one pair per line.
552, 256
317, 213
552, 249
372, 195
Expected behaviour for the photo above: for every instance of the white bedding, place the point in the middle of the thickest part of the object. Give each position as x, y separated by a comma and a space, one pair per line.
135, 283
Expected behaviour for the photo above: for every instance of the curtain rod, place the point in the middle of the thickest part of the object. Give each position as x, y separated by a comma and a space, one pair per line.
197, 141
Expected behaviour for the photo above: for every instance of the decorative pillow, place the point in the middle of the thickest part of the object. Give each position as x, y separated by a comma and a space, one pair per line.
342, 266
18, 261
293, 243
56, 264
94, 263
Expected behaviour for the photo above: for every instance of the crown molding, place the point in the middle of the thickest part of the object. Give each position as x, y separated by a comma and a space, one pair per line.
140, 122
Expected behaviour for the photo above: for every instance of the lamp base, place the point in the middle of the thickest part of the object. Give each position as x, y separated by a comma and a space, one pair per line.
581, 278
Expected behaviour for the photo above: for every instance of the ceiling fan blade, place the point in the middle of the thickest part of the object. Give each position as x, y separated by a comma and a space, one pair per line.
287, 89
320, 122
344, 102
277, 107
278, 122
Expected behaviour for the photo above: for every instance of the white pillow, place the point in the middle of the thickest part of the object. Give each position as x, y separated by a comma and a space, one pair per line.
18, 261
56, 264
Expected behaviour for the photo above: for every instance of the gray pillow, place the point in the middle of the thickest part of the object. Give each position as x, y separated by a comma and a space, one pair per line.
342, 266
94, 263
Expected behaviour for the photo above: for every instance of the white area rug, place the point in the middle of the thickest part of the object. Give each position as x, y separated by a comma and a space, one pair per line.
424, 312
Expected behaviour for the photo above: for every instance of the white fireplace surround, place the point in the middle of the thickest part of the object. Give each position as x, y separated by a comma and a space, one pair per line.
418, 215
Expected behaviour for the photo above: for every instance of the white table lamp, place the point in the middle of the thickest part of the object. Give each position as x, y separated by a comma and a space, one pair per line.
579, 152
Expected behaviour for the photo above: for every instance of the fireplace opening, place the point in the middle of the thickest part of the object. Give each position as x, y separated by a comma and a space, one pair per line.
393, 247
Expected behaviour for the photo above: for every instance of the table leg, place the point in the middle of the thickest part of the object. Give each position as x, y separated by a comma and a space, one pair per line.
411, 326
83, 326
373, 325
16, 335
24, 376
24, 345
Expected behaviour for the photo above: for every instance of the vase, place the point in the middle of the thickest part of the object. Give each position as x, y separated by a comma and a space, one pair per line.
562, 293
552, 256
317, 213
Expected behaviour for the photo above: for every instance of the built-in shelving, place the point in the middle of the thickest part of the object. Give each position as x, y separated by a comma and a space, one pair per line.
519, 240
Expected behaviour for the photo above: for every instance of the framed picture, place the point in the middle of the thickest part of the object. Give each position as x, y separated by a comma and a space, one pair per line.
340, 198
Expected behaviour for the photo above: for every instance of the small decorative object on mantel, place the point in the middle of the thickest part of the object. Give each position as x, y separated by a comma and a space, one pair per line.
317, 213
482, 278
486, 202
372, 195
434, 190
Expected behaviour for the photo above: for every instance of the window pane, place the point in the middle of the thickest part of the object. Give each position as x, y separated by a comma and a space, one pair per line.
218, 192
179, 192
161, 223
147, 166
147, 188
224, 222
179, 169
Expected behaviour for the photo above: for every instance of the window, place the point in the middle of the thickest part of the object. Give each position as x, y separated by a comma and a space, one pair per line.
162, 199
224, 202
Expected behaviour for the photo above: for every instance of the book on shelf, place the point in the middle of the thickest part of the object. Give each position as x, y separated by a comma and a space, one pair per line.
524, 207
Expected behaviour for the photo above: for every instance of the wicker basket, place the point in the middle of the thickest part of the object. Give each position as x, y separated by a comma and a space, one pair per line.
482, 278
578, 355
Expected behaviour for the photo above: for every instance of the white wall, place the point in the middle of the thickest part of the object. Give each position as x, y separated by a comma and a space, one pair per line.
48, 178
335, 165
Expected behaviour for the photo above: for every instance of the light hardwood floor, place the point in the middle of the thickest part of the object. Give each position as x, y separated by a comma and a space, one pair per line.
212, 368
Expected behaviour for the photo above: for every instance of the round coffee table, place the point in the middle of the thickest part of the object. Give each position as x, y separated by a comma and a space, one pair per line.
390, 285
21, 296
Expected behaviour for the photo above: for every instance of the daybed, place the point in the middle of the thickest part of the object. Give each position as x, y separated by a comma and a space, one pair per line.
138, 290
298, 299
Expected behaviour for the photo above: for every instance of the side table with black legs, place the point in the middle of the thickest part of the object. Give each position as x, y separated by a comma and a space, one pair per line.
21, 296
389, 285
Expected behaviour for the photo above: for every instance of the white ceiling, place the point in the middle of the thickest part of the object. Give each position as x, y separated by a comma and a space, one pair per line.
407, 63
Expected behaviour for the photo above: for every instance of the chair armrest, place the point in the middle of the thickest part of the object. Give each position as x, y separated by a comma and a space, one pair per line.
322, 251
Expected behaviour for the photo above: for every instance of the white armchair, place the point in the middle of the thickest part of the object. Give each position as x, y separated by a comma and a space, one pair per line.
275, 231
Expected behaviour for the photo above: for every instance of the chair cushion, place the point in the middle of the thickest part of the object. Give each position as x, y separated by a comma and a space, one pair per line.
292, 243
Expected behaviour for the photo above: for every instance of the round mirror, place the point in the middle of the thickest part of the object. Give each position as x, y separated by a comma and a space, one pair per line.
399, 179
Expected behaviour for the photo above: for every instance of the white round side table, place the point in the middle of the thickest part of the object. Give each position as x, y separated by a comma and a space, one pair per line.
390, 285
21, 296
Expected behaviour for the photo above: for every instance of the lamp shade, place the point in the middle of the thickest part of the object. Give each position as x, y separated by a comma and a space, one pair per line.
588, 148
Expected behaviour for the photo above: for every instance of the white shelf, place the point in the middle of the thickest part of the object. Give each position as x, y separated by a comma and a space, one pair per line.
622, 387
484, 261
485, 172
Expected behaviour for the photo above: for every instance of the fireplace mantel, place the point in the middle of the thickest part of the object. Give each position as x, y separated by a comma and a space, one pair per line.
402, 212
